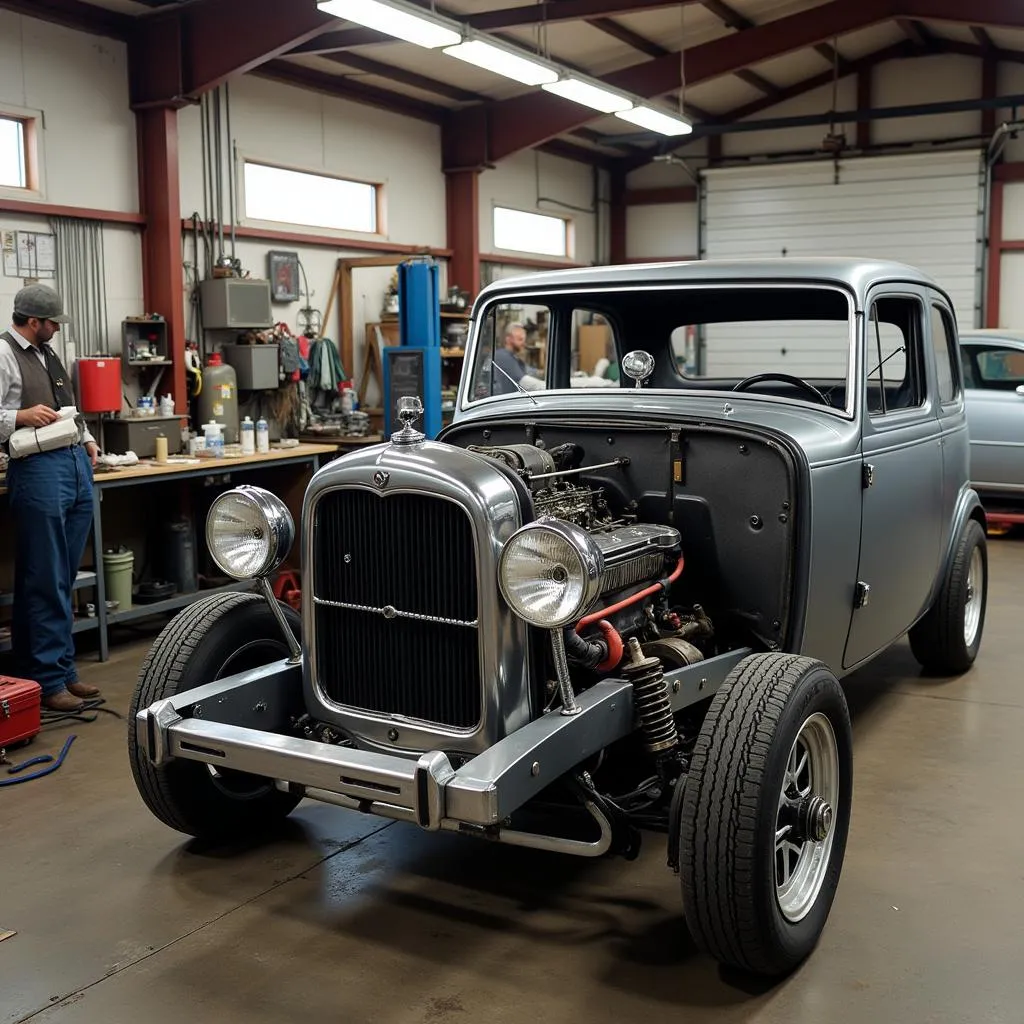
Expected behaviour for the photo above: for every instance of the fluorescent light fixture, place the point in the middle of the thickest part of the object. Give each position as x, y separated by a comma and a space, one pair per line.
656, 121
393, 20
578, 91
503, 62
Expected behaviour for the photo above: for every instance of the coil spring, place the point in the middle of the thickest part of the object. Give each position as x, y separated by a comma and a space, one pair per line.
651, 701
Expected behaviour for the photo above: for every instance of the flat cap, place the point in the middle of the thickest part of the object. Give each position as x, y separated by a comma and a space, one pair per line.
42, 302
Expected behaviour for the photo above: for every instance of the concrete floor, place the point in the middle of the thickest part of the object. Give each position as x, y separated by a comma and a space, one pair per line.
346, 918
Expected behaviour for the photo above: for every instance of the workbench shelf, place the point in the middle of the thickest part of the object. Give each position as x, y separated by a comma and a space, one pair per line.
83, 580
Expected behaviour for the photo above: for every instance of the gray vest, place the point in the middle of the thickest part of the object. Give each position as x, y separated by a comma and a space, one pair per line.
38, 387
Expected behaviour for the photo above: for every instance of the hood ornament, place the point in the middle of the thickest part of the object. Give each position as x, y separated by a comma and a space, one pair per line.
410, 409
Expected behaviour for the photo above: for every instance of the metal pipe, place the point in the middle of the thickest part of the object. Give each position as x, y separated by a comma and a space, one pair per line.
275, 607
622, 461
219, 148
570, 706
552, 844
231, 166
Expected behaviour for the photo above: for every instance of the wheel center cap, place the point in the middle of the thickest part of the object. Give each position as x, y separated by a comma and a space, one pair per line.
815, 817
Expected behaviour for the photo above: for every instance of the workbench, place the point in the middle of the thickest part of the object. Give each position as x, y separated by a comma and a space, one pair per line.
223, 471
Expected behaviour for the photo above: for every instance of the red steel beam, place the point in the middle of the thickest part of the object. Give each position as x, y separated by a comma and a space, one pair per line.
462, 199
564, 10
625, 35
213, 40
995, 254
350, 89
617, 218
864, 90
526, 121
994, 13
159, 193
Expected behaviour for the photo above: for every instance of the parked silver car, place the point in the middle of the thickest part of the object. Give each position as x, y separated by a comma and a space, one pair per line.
993, 368
604, 607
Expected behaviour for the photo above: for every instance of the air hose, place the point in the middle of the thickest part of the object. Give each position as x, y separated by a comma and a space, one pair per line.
42, 759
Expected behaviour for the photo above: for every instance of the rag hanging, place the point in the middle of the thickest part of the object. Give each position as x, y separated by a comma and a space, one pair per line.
325, 370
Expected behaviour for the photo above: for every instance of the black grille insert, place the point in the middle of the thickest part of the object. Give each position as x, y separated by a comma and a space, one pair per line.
412, 553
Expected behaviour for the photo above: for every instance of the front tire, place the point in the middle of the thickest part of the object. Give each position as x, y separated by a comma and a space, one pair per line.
947, 640
766, 812
211, 638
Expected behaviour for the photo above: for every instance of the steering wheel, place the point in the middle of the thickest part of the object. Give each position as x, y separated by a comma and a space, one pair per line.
785, 378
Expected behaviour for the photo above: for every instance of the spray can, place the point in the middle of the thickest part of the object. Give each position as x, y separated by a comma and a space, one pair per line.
248, 436
262, 435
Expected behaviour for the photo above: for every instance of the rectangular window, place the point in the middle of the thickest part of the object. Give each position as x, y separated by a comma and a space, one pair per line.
512, 356
13, 155
536, 233
315, 200
895, 378
944, 343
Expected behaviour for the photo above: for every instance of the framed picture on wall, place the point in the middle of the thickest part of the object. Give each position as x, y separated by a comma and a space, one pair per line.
283, 274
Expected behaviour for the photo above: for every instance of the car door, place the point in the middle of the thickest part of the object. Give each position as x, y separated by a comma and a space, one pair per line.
902, 485
993, 370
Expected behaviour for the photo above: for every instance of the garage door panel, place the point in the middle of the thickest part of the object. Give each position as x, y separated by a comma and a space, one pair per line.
921, 209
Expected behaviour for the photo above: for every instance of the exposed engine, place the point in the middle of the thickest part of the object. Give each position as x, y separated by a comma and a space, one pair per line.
633, 629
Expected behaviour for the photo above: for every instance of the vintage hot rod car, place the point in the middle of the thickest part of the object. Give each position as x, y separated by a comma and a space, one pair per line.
602, 605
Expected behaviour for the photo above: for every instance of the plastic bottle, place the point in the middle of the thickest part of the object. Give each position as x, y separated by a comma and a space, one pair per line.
248, 436
262, 435
213, 432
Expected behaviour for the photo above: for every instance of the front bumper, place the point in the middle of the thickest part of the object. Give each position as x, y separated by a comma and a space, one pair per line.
242, 723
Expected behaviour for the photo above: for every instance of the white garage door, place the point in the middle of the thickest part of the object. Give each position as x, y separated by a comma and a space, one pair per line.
921, 209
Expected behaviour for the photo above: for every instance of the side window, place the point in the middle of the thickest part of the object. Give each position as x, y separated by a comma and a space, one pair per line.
594, 358
967, 364
894, 355
945, 344
513, 350
999, 368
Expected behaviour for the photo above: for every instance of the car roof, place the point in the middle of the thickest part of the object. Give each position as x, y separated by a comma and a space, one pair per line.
858, 275
992, 334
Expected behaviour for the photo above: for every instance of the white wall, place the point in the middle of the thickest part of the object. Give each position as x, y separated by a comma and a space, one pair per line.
541, 183
77, 85
307, 131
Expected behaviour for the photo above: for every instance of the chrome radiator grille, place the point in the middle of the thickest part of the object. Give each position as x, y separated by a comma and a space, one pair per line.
395, 606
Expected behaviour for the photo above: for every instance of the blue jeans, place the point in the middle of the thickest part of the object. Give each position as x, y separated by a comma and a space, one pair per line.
51, 499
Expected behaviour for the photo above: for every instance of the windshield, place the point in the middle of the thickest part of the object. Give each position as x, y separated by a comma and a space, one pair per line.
701, 338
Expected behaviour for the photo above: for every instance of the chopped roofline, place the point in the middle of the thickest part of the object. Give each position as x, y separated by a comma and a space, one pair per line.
859, 275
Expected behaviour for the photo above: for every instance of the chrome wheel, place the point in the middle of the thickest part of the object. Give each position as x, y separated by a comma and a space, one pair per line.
975, 592
807, 809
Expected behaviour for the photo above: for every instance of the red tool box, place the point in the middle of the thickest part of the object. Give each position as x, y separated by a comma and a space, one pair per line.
19, 710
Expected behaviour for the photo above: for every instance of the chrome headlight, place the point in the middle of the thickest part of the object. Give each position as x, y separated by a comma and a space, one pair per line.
549, 573
249, 532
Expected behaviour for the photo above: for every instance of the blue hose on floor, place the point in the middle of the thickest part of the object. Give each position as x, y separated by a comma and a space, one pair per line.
42, 759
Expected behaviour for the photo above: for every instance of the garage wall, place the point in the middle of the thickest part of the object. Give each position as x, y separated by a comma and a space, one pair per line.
77, 84
297, 128
542, 183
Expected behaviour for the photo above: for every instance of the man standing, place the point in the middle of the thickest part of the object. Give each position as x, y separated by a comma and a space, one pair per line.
50, 496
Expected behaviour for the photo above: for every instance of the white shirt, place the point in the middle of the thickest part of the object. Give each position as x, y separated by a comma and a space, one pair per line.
10, 383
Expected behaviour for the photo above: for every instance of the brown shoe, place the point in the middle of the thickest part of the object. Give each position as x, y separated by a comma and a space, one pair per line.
83, 690
62, 701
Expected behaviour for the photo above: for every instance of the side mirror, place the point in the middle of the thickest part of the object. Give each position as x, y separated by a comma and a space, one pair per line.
1020, 390
638, 365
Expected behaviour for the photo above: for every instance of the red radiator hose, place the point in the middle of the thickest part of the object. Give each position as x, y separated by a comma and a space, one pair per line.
618, 606
614, 644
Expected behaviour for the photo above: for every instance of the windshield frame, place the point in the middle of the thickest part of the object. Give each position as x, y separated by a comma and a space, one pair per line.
688, 385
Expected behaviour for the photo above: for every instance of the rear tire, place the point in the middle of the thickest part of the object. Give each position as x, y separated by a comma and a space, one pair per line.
214, 637
947, 640
755, 900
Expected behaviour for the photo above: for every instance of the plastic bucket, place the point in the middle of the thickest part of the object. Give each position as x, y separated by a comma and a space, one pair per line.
117, 574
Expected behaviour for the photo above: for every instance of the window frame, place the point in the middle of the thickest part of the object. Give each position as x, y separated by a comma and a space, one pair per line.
916, 354
567, 222
380, 227
30, 121
951, 348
